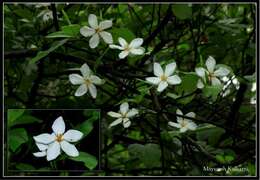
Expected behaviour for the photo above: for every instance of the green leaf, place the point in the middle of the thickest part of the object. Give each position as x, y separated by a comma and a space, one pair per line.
66, 32
23, 166
89, 160
42, 54
13, 115
182, 11
26, 119
211, 134
87, 126
220, 158
212, 91
122, 32
16, 138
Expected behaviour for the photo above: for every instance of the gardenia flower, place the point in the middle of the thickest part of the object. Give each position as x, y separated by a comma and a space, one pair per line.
96, 31
134, 48
51, 144
184, 124
163, 78
211, 73
123, 115
87, 81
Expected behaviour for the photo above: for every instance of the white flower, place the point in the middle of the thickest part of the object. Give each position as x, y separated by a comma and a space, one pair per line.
46, 15
50, 145
134, 48
96, 31
163, 78
87, 81
211, 73
123, 115
184, 124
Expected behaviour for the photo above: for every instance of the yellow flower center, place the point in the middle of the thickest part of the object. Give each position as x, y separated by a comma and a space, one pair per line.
98, 30
59, 137
163, 78
211, 76
88, 82
183, 123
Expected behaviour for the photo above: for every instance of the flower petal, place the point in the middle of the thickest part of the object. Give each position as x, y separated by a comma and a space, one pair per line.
44, 138
132, 112
210, 63
191, 125
157, 69
172, 80
40, 154
179, 119
42, 147
137, 51
135, 43
105, 24
153, 80
191, 114
183, 129
87, 31
94, 41
215, 81
72, 135
69, 149
173, 124
113, 46
162, 86
200, 71
93, 90
123, 54
85, 70
76, 79
95, 79
53, 151
170, 68
200, 84
122, 42
220, 72
82, 89
116, 122
126, 122
107, 37
124, 107
114, 114
92, 20
58, 126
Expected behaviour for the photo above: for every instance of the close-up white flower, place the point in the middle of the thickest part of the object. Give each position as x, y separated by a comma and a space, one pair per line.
133, 48
164, 78
184, 124
52, 144
96, 30
123, 116
211, 74
87, 81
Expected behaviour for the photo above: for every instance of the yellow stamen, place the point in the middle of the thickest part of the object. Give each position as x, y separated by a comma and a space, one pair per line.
88, 82
183, 123
98, 30
163, 78
59, 137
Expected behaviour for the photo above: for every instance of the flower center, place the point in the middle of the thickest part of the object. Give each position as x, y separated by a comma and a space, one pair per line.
211, 76
163, 78
98, 30
88, 82
59, 137
183, 123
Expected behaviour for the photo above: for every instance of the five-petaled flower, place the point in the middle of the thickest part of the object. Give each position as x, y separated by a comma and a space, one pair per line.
50, 145
184, 124
87, 81
123, 115
134, 48
96, 31
211, 74
163, 78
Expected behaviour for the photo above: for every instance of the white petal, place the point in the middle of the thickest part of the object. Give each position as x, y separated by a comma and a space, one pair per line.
135, 43
200, 71
179, 119
137, 51
191, 125
123, 54
85, 70
116, 122
94, 41
132, 112
157, 69
93, 90
113, 46
69, 149
126, 122
210, 63
53, 151
220, 72
124, 107
76, 79
191, 114
172, 80
42, 147
72, 135
215, 81
183, 129
96, 80
162, 85
44, 138
173, 124
58, 126
105, 24
82, 89
200, 84
122, 42
87, 31
170, 68
40, 154
153, 80
107, 37
92, 20
114, 114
